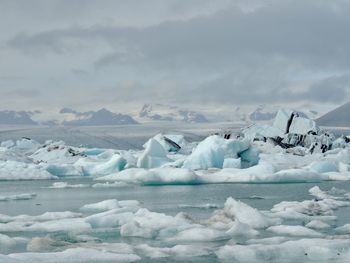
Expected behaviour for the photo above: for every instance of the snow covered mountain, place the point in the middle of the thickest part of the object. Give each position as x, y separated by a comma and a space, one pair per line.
339, 117
17, 118
265, 113
160, 112
95, 118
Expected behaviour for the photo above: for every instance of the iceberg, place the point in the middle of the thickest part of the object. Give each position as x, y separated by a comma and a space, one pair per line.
24, 196
247, 215
12, 170
154, 176
153, 156
290, 129
171, 143
211, 153
100, 167
101, 206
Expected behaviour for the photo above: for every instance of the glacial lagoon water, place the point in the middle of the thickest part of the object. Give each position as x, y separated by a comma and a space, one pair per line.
199, 201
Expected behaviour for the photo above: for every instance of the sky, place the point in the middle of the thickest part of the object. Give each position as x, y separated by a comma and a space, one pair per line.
118, 54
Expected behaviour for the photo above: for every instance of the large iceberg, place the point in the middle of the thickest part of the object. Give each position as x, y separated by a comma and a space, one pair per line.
290, 129
214, 150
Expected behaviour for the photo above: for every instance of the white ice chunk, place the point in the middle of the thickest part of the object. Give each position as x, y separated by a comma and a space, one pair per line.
74, 225
247, 214
294, 231
148, 224
261, 131
57, 153
75, 255
100, 167
300, 175
12, 170
249, 158
26, 146
162, 139
43, 217
46, 244
240, 229
302, 125
154, 176
24, 196
212, 152
111, 185
7, 243
7, 144
232, 163
309, 207
281, 119
209, 153
323, 167
300, 250
101, 206
177, 252
153, 156
11, 155
62, 185
62, 170
345, 229
317, 224
199, 234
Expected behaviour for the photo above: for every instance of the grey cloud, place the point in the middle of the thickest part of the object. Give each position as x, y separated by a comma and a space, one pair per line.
220, 54
19, 92
310, 31
332, 89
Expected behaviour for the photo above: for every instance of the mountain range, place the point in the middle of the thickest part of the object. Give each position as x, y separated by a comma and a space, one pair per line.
161, 112
17, 118
96, 118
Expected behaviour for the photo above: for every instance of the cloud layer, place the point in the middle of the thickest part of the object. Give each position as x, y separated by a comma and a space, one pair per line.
184, 52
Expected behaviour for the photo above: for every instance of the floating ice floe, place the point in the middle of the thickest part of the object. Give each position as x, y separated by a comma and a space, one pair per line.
111, 185
109, 205
12, 170
24, 196
76, 255
301, 250
62, 185
8, 243
236, 232
154, 176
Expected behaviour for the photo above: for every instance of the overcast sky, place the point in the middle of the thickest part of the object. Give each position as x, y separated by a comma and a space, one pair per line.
119, 54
